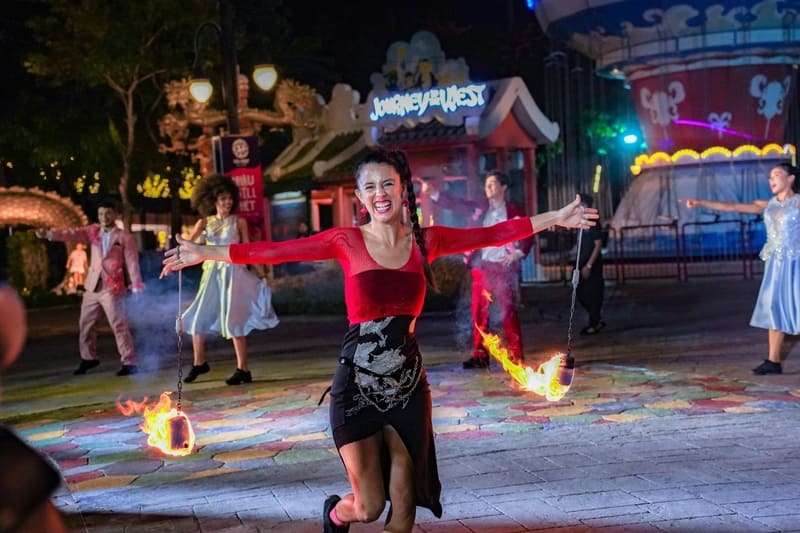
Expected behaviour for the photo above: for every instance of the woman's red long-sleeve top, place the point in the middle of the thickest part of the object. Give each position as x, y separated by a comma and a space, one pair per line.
371, 290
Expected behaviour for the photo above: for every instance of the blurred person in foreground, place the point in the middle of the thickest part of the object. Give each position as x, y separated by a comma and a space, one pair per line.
26, 479
113, 251
380, 412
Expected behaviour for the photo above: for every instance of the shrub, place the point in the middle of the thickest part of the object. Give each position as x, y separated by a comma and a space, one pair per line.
317, 292
27, 262
322, 291
37, 298
451, 274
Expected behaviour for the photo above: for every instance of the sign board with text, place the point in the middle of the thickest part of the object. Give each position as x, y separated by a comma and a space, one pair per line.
237, 157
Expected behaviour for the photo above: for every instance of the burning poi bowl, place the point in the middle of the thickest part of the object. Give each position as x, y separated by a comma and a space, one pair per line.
551, 379
168, 429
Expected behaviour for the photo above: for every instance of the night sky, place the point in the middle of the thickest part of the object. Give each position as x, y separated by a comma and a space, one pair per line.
497, 38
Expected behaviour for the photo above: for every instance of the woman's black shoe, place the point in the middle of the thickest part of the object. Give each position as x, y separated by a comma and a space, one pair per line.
476, 362
327, 524
239, 377
86, 364
768, 367
196, 371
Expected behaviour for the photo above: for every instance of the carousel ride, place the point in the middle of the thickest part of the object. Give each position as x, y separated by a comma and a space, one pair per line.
713, 86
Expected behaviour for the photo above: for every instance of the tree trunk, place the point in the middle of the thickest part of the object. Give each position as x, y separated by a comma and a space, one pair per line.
127, 154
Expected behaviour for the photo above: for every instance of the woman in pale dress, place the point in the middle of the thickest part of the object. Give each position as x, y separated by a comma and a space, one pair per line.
778, 305
230, 300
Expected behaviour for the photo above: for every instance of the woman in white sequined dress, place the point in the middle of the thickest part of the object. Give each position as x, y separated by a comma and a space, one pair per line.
778, 305
230, 300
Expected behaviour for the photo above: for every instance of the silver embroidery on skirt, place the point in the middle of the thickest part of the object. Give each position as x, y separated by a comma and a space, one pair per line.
381, 379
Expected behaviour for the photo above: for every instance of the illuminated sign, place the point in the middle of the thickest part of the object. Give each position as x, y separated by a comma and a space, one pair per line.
418, 104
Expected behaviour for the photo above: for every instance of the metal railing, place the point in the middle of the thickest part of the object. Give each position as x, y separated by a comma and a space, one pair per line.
695, 249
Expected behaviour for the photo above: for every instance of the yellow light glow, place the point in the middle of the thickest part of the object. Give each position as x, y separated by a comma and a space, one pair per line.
685, 152
715, 150
748, 150
773, 147
201, 90
265, 76
663, 156
598, 172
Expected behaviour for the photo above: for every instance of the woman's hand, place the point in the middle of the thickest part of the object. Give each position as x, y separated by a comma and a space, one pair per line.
691, 203
574, 215
185, 254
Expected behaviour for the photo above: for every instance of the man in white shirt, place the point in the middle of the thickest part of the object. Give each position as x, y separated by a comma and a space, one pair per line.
495, 270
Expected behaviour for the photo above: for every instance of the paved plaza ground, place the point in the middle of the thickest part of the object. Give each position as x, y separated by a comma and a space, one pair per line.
665, 427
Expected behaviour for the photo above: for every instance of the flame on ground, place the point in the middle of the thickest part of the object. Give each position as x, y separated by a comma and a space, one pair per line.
168, 429
552, 379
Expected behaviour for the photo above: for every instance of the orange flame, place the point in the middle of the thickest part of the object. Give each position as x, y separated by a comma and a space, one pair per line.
547, 380
168, 429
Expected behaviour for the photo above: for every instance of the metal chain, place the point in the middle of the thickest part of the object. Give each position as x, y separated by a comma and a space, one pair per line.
179, 332
576, 273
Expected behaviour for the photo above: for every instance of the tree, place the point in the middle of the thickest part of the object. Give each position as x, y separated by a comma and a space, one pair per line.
121, 46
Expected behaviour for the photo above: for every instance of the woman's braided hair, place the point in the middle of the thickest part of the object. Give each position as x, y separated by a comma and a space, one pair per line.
205, 193
398, 161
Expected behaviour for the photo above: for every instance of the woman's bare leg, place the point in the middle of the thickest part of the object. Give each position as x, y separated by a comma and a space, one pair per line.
199, 347
402, 493
362, 459
775, 340
240, 347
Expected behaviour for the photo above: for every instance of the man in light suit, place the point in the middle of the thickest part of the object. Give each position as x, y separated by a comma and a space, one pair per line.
112, 250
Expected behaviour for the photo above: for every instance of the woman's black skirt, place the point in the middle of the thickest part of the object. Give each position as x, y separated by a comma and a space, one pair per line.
380, 381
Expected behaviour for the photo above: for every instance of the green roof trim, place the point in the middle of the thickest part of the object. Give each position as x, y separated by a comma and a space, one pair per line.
300, 183
346, 167
332, 149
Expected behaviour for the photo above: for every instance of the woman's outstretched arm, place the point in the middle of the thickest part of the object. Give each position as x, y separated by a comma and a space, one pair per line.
443, 240
572, 215
754, 208
188, 253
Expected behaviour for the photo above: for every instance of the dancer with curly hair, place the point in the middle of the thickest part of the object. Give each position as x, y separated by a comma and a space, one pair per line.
230, 301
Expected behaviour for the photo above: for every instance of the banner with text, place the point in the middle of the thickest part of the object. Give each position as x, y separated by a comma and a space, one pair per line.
237, 156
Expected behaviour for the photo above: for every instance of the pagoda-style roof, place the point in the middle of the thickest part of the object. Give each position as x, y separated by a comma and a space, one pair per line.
510, 118
427, 132
316, 158
512, 97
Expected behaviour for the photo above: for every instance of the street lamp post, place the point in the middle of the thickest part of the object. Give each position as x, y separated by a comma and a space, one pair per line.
229, 64
233, 152
200, 87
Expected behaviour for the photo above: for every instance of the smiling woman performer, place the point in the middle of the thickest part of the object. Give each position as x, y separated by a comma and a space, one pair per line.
776, 307
380, 409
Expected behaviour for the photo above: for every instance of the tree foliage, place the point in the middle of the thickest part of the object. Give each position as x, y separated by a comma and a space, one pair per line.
124, 51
